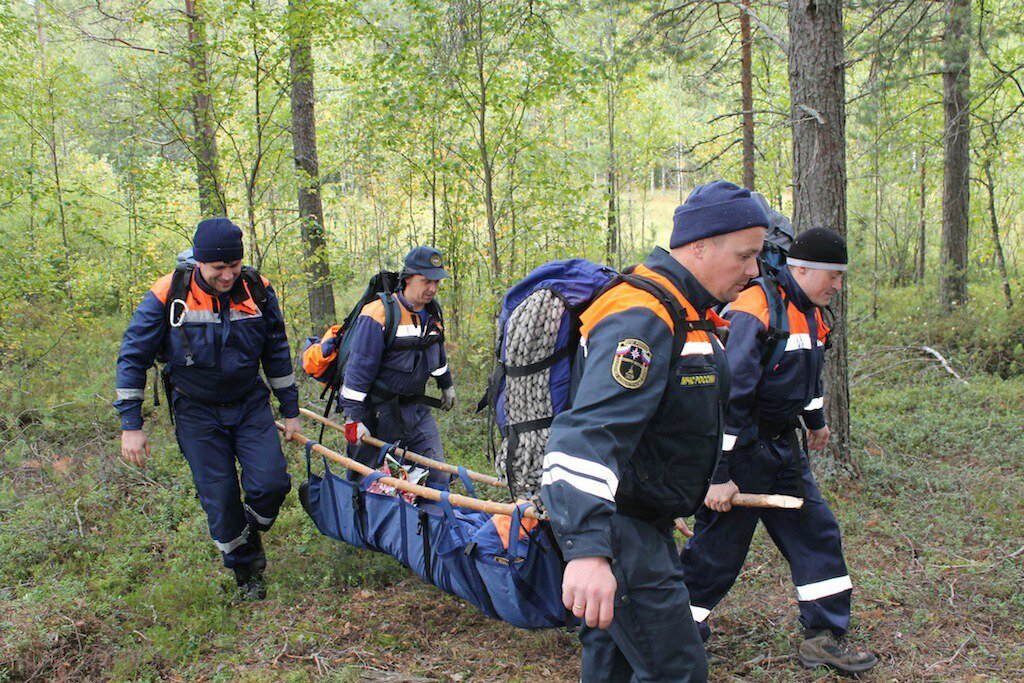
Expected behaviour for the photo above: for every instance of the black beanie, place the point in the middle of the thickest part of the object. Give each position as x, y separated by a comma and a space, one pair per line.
217, 239
819, 248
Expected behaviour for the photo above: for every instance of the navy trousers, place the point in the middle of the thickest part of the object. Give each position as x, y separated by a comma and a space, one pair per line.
652, 636
809, 539
212, 438
414, 426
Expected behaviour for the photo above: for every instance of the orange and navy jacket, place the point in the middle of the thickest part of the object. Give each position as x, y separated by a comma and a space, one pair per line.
401, 368
228, 336
774, 396
644, 431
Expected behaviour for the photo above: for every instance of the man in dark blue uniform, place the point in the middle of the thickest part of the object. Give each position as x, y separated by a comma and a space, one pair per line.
384, 385
762, 455
215, 332
638, 447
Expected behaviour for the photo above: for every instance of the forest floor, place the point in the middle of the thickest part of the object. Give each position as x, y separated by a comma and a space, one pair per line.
107, 572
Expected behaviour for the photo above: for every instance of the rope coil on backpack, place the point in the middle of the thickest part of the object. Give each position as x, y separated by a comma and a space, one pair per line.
532, 332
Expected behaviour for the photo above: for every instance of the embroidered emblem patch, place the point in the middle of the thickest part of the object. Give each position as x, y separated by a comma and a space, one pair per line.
435, 260
631, 362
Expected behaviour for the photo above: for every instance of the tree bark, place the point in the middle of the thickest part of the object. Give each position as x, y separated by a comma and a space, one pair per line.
612, 234
747, 92
319, 289
921, 243
485, 156
957, 138
204, 146
817, 86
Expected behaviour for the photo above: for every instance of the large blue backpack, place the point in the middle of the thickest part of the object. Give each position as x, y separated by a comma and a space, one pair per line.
538, 332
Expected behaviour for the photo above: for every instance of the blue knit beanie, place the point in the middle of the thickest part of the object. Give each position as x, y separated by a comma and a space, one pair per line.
715, 209
217, 239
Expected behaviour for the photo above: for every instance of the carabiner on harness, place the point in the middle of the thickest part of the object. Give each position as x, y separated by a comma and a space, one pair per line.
177, 321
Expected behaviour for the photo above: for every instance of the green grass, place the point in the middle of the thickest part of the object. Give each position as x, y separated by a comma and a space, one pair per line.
107, 572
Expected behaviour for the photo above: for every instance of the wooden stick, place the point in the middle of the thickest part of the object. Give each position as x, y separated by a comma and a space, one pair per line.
421, 491
767, 500
409, 455
750, 500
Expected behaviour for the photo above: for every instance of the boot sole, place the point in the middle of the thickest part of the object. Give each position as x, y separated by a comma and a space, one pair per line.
858, 669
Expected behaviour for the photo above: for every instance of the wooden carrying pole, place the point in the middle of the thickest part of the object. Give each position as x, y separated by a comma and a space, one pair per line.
409, 455
749, 500
487, 506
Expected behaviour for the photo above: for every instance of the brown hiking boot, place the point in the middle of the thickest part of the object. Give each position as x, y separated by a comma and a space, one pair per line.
822, 648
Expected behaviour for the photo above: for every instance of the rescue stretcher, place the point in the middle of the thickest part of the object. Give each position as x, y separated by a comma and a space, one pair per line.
502, 558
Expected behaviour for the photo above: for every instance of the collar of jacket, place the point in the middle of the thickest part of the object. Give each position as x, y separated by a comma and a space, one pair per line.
662, 262
793, 291
405, 302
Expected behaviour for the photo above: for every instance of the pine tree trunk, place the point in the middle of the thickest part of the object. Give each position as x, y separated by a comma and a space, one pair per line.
990, 185
311, 211
817, 86
204, 146
957, 138
747, 90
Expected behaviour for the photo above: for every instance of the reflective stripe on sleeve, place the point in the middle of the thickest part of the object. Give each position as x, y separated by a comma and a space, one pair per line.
586, 475
440, 371
728, 442
352, 394
816, 404
823, 589
130, 394
282, 382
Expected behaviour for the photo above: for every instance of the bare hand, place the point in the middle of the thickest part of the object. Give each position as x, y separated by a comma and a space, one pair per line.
135, 447
719, 497
588, 590
681, 526
817, 439
291, 427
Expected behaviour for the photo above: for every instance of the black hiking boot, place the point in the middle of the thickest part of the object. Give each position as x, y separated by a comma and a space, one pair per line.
304, 497
822, 648
250, 584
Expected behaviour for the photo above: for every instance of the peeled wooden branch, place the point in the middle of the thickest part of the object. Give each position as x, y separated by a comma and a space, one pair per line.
945, 363
421, 491
753, 500
409, 455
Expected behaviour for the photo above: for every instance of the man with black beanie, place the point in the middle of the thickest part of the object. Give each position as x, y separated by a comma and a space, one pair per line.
214, 323
762, 454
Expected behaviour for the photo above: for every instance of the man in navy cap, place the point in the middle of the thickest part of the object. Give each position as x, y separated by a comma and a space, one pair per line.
214, 322
383, 392
762, 454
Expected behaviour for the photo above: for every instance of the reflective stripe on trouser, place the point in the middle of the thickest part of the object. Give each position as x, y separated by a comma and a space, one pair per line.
414, 425
652, 637
813, 547
212, 438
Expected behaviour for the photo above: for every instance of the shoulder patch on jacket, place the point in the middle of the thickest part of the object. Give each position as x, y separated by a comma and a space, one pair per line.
631, 363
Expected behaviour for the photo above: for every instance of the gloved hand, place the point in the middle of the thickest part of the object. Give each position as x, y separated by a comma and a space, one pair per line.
448, 398
329, 346
355, 431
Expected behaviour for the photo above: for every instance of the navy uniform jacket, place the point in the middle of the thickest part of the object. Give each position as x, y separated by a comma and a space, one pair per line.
779, 395
416, 354
229, 338
644, 433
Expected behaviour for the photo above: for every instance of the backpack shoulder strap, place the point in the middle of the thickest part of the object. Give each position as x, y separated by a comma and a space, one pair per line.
774, 338
680, 324
180, 281
257, 289
392, 315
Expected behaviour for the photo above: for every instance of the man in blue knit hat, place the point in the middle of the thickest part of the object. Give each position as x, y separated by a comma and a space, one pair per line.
214, 323
637, 449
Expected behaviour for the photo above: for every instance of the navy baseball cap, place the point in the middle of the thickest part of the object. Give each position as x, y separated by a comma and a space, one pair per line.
425, 261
